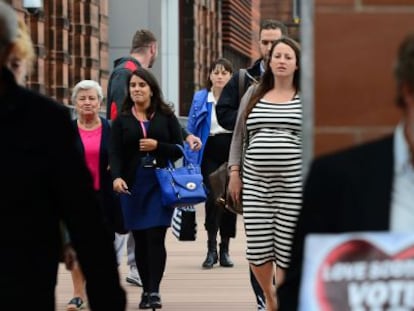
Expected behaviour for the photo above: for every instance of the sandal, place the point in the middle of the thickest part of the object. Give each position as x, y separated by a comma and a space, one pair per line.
75, 304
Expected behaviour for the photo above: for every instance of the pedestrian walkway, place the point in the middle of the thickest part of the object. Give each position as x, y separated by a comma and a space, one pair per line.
186, 286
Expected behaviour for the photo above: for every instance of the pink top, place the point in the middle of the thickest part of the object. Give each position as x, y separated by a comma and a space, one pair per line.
91, 140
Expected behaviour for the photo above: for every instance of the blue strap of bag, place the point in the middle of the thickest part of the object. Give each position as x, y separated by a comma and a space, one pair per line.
186, 159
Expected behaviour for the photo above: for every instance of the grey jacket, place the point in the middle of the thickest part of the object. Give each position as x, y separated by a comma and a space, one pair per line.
239, 129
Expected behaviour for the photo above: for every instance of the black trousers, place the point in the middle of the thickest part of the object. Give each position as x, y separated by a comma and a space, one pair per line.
216, 152
150, 256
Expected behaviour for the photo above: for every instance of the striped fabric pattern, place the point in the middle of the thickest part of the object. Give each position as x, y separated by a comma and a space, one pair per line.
272, 180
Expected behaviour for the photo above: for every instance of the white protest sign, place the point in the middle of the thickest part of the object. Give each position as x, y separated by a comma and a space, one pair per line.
358, 272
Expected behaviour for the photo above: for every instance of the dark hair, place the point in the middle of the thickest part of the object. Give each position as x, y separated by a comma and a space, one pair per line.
404, 67
227, 65
267, 80
157, 100
273, 24
141, 40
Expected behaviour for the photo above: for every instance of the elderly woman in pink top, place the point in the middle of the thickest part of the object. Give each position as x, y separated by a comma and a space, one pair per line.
93, 141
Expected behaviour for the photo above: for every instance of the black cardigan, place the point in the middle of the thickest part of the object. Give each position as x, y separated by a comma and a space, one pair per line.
124, 153
106, 194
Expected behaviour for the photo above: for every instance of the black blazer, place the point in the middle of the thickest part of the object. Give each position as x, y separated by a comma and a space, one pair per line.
348, 191
45, 181
229, 101
124, 153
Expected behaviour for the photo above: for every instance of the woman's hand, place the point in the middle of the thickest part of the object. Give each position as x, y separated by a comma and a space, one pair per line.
235, 186
194, 142
120, 186
280, 276
147, 144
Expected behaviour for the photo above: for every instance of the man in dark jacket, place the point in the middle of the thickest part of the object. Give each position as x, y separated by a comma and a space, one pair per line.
229, 101
45, 180
144, 52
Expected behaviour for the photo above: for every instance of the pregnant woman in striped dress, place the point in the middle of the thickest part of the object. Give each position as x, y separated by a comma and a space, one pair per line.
271, 177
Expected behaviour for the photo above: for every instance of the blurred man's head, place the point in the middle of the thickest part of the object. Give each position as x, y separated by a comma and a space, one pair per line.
404, 72
145, 44
270, 31
8, 31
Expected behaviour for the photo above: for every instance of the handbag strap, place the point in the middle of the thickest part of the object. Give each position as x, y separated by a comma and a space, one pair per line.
186, 160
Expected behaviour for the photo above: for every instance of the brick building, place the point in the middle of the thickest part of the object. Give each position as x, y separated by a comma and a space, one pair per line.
228, 28
71, 42
79, 39
354, 46
355, 43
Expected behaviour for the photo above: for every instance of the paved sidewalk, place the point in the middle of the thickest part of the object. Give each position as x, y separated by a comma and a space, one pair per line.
186, 286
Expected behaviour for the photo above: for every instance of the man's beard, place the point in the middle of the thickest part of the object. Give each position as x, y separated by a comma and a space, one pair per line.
151, 62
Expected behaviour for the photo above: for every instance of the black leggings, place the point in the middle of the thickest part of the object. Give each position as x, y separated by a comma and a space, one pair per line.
216, 152
150, 256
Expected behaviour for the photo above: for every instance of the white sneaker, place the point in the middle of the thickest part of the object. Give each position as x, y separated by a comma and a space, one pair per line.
133, 276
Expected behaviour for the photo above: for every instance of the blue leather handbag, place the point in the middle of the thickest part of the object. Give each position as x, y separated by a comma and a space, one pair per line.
181, 186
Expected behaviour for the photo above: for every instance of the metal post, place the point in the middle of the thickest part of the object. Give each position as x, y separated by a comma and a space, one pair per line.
307, 81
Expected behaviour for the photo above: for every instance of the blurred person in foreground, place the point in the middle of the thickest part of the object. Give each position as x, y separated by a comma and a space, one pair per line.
22, 55
363, 188
45, 180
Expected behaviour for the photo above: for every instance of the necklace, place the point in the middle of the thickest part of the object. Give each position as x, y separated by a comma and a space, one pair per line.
89, 125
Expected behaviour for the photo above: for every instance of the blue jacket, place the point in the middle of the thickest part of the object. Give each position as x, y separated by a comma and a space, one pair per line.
199, 123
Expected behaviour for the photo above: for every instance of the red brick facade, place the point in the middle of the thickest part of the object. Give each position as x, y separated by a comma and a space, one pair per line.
232, 32
355, 46
71, 42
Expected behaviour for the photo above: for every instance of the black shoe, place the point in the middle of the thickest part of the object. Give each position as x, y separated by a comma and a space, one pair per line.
225, 260
155, 301
211, 259
145, 303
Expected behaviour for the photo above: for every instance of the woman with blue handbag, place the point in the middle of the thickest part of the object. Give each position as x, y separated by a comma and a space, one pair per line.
202, 122
144, 136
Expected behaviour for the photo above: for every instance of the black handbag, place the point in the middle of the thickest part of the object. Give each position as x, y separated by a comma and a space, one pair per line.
219, 181
183, 223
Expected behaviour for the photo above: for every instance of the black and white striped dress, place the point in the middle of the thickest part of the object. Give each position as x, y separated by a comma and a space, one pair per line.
272, 180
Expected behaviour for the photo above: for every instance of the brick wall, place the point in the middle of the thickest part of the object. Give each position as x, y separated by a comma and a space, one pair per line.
355, 46
71, 43
236, 23
200, 44
281, 10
